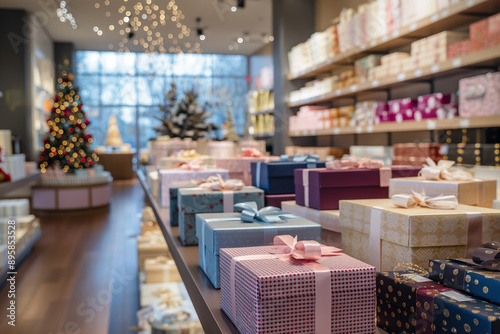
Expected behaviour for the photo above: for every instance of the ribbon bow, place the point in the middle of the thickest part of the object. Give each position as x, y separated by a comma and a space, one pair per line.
268, 214
443, 202
443, 171
302, 250
488, 256
193, 165
250, 152
353, 163
216, 183
305, 158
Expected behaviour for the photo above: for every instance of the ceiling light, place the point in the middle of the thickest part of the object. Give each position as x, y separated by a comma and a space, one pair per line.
99, 32
271, 38
96, 28
240, 40
111, 27
202, 37
234, 8
125, 19
230, 47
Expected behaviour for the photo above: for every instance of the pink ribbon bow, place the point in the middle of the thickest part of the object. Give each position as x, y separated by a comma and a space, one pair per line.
194, 165
250, 152
353, 163
216, 183
303, 250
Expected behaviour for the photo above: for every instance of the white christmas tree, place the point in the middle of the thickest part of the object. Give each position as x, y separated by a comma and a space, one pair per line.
113, 137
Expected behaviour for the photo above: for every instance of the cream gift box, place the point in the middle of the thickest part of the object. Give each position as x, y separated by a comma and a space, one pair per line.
470, 192
151, 244
411, 235
161, 269
14, 207
273, 294
177, 161
168, 176
328, 219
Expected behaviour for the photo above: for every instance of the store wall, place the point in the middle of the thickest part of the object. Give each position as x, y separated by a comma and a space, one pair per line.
14, 76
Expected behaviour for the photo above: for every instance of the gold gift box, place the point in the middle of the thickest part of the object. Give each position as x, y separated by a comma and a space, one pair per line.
471, 192
151, 245
161, 269
411, 235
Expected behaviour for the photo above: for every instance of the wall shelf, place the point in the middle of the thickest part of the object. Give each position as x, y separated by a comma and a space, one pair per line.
424, 125
486, 58
6, 187
205, 298
458, 14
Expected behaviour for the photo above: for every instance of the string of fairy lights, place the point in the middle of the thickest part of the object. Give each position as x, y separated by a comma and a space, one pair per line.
140, 24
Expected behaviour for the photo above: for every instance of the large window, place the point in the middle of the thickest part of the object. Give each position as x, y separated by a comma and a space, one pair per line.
133, 86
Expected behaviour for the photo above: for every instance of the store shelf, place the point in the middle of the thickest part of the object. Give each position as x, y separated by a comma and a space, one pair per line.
263, 135
454, 16
430, 124
205, 298
6, 187
486, 58
262, 112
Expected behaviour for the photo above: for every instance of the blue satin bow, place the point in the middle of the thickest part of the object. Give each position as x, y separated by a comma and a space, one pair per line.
268, 214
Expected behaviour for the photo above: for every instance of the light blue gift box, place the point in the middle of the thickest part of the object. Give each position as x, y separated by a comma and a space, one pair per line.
228, 230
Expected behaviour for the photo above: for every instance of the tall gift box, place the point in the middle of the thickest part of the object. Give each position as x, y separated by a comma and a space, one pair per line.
168, 176
328, 219
378, 232
469, 192
470, 278
193, 201
276, 178
479, 95
322, 189
174, 203
279, 294
228, 230
401, 296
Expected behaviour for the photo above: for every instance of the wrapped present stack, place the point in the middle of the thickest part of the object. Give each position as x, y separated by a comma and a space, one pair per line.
320, 118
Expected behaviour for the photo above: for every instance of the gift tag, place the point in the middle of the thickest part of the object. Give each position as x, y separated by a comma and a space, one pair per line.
401, 76
375, 83
413, 27
417, 278
434, 17
431, 125
457, 296
418, 72
464, 123
434, 68
353, 88
456, 62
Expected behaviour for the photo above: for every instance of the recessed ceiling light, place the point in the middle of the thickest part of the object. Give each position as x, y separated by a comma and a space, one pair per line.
271, 38
234, 8
240, 40
96, 28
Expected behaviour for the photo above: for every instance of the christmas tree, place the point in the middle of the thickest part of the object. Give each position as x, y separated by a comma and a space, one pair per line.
230, 130
67, 144
185, 119
113, 137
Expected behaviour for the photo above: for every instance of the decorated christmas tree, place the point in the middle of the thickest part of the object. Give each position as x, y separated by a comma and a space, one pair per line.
113, 137
185, 119
67, 144
230, 130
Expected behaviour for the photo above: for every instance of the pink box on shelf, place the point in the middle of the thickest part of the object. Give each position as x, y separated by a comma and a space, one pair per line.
396, 106
435, 100
279, 294
480, 95
448, 111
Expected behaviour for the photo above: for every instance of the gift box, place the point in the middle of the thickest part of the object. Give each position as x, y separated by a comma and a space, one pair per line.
276, 200
221, 149
448, 111
168, 176
490, 154
177, 161
470, 192
479, 95
396, 106
401, 296
14, 165
193, 201
277, 293
161, 269
467, 154
323, 188
174, 203
417, 150
466, 277
228, 230
276, 178
6, 141
378, 232
328, 219
14, 207
431, 101
239, 168
460, 313
408, 161
151, 244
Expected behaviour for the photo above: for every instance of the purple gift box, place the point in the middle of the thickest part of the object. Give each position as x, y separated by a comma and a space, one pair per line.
275, 200
433, 101
396, 106
448, 111
322, 188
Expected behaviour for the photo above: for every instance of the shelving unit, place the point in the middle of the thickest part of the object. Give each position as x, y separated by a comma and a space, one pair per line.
262, 112
461, 13
430, 124
7, 187
205, 298
485, 58
263, 135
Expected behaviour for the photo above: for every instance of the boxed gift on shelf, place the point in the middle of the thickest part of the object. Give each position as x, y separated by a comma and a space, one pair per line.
322, 152
383, 233
276, 292
151, 244
480, 95
322, 189
14, 165
277, 200
226, 230
161, 269
14, 207
239, 167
